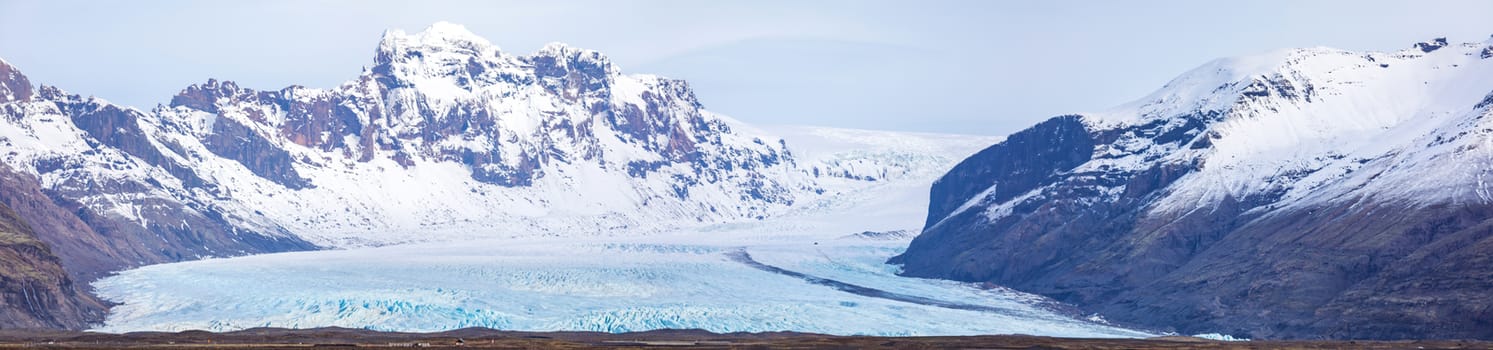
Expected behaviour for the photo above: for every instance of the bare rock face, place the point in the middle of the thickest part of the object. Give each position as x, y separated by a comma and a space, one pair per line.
85, 253
232, 140
13, 85
1040, 152
1265, 197
35, 291
92, 243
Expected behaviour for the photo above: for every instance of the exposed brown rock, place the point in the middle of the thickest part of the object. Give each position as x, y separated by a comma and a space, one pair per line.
85, 253
35, 291
238, 142
14, 86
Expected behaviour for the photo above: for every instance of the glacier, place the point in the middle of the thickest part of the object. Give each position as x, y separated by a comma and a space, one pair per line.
630, 279
676, 280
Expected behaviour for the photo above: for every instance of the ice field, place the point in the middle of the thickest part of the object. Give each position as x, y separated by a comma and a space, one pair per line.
554, 284
684, 279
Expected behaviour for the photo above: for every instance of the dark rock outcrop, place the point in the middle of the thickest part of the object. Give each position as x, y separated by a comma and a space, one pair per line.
235, 141
35, 291
1433, 45
14, 86
86, 254
91, 244
1027, 159
119, 128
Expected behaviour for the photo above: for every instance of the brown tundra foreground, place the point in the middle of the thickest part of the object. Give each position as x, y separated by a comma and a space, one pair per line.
273, 338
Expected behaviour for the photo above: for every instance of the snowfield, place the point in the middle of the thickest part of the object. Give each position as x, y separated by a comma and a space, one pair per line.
629, 281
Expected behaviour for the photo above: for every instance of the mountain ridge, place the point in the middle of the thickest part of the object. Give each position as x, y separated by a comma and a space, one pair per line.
1250, 195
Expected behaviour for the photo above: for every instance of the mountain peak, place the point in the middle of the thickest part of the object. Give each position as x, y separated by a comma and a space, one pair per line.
447, 28
440, 37
438, 32
14, 86
205, 96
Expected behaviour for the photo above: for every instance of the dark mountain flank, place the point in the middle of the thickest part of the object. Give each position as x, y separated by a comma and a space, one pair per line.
1312, 193
35, 291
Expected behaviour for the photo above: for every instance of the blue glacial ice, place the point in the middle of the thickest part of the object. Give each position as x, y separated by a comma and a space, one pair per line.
551, 284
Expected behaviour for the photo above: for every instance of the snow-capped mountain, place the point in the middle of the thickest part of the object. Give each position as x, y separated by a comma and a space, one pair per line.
1301, 193
444, 137
106, 195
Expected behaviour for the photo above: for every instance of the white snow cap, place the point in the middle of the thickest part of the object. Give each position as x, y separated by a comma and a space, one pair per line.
438, 34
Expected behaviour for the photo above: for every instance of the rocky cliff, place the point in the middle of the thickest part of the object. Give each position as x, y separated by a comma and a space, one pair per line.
35, 291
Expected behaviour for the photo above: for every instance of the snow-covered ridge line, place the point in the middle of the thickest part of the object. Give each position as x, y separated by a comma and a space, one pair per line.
1361, 171
446, 137
1309, 116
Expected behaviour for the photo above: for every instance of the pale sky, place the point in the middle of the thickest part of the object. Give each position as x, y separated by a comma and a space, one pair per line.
983, 67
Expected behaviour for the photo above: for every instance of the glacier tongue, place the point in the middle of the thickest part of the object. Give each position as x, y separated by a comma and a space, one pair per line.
549, 284
630, 281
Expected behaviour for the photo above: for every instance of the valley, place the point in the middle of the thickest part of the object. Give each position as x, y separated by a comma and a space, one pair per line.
453, 186
690, 278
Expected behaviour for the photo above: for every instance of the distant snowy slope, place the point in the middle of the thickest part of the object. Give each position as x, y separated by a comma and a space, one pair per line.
1302, 121
883, 175
872, 154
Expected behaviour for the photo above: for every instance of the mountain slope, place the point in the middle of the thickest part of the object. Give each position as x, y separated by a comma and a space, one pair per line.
1302, 193
35, 291
103, 195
